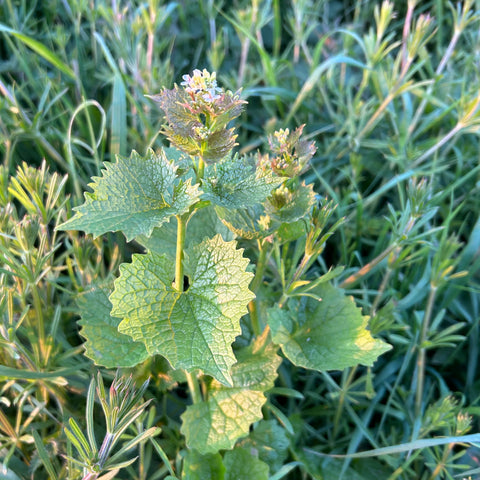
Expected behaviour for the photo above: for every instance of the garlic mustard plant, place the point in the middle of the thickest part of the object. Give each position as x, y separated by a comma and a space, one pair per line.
210, 293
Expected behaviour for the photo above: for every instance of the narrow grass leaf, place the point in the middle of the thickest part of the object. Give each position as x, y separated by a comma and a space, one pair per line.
44, 457
282, 418
89, 417
41, 49
109, 475
80, 436
405, 447
314, 77
118, 143
285, 470
11, 373
163, 456
150, 433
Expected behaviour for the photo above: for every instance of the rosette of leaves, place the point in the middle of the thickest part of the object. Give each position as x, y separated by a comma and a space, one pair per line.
197, 116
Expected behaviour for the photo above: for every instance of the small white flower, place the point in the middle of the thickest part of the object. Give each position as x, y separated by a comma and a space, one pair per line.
203, 84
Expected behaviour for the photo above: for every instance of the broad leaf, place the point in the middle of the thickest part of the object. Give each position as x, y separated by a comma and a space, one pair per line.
282, 211
287, 206
192, 329
325, 334
134, 195
204, 223
105, 345
237, 183
271, 443
202, 467
240, 464
226, 416
246, 222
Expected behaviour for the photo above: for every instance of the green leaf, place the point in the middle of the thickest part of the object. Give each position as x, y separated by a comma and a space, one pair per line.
288, 206
203, 224
245, 222
218, 422
192, 329
241, 465
202, 467
105, 345
134, 195
282, 211
237, 183
271, 443
118, 140
325, 334
41, 50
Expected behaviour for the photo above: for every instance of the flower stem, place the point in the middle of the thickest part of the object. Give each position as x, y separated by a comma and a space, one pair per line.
181, 224
178, 284
201, 169
194, 387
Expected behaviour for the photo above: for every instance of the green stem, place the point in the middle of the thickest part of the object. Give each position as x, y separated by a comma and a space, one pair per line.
178, 284
422, 352
194, 387
181, 224
37, 305
255, 285
368, 267
201, 169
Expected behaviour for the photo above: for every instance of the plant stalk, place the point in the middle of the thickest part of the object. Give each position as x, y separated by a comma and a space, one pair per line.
368, 267
181, 226
201, 169
255, 285
422, 351
178, 284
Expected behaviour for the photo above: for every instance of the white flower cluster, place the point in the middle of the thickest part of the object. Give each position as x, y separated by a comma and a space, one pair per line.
203, 84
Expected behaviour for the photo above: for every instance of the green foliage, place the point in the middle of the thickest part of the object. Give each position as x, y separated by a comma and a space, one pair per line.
237, 183
389, 92
134, 195
105, 345
216, 424
121, 407
311, 337
194, 324
192, 329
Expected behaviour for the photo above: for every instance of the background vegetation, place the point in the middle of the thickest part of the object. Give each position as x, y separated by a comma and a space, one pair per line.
389, 92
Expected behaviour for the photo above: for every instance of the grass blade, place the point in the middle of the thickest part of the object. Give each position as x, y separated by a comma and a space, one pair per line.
118, 143
41, 49
405, 447
44, 457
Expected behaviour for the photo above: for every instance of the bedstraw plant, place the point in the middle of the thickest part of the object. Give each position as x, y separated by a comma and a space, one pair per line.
223, 283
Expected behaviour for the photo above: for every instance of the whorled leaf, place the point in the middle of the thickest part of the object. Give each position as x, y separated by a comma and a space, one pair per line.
218, 422
134, 195
192, 329
325, 334
236, 182
105, 345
